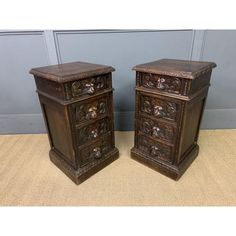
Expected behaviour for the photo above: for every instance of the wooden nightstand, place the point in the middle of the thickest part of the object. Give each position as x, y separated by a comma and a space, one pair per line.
77, 104
170, 99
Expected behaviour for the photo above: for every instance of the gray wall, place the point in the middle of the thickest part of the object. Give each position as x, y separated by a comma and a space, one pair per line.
20, 51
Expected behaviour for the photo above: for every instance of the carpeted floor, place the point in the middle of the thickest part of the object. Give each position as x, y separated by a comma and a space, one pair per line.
28, 178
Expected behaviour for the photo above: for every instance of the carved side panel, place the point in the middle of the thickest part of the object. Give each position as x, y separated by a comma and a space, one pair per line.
159, 108
93, 131
49, 87
95, 151
162, 83
155, 150
157, 129
91, 110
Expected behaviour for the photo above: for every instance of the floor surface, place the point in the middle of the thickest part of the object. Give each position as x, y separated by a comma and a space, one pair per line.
28, 178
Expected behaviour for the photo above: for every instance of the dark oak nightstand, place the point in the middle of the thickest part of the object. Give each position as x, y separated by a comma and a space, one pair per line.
170, 99
77, 104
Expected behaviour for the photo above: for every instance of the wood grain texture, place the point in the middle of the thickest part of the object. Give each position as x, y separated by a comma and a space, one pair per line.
28, 178
172, 93
66, 72
178, 68
79, 97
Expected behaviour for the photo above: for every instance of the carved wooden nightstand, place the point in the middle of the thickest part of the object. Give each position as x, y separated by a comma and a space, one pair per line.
170, 99
77, 104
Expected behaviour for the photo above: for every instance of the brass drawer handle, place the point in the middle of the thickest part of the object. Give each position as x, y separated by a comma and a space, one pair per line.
161, 84
155, 151
156, 131
92, 113
97, 154
93, 133
158, 111
90, 88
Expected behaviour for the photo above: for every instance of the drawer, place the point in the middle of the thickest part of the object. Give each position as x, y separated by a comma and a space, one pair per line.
90, 109
95, 150
157, 129
159, 108
93, 131
89, 86
154, 149
161, 82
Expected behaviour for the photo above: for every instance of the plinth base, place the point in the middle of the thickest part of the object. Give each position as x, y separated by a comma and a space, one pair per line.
171, 171
80, 175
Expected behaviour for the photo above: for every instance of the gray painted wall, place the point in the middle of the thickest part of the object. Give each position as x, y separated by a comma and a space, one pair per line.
19, 51
220, 46
19, 106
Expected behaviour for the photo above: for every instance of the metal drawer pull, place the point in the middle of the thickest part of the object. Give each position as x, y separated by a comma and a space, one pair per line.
97, 153
92, 113
90, 88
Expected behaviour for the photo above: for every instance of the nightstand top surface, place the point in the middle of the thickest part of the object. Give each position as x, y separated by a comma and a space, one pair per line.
177, 68
62, 73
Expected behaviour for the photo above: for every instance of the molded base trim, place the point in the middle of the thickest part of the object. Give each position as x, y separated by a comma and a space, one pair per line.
80, 175
171, 171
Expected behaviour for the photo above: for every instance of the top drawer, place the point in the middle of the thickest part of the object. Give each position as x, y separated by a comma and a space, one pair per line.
162, 83
74, 90
87, 87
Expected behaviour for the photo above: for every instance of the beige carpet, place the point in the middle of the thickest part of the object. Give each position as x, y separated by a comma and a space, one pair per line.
27, 177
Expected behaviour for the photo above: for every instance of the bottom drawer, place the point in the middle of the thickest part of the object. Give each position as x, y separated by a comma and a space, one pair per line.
154, 149
95, 151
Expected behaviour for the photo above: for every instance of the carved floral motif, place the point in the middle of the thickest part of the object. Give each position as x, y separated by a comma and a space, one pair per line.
157, 130
154, 149
95, 151
168, 84
91, 110
159, 108
93, 131
88, 86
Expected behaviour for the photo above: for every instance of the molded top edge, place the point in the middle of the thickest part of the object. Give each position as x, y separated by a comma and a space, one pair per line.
66, 72
177, 68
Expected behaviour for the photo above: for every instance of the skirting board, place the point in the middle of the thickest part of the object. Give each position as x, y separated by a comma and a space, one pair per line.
22, 123
124, 121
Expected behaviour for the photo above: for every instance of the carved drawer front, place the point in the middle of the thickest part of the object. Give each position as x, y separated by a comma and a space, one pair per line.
93, 131
154, 149
90, 109
159, 108
95, 151
89, 86
157, 129
161, 82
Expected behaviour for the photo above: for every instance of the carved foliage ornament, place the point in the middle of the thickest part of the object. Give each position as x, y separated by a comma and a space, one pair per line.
91, 110
93, 131
159, 108
95, 152
154, 149
168, 84
157, 130
88, 86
